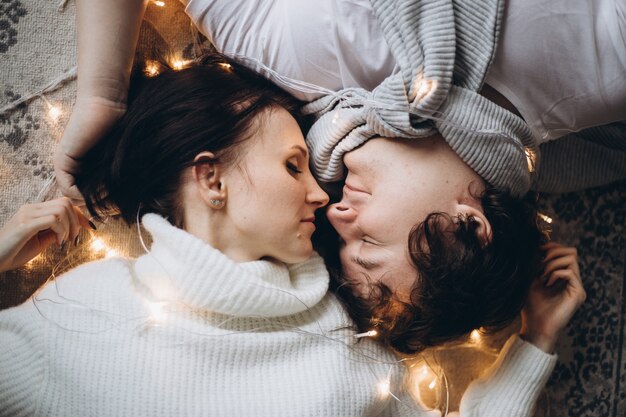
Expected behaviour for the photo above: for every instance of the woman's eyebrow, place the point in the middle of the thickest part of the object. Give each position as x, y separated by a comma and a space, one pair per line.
369, 265
301, 149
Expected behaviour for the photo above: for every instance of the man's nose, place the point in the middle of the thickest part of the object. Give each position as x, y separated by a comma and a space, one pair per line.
341, 213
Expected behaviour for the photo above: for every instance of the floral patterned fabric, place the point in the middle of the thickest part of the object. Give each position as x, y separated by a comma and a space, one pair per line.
37, 44
10, 13
590, 378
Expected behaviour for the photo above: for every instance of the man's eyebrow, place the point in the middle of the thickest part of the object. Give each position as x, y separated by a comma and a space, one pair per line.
301, 149
365, 263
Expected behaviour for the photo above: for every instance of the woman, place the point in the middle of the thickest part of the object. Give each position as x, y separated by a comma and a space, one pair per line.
228, 313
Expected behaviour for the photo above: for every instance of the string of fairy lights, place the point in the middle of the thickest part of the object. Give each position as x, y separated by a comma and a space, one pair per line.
428, 382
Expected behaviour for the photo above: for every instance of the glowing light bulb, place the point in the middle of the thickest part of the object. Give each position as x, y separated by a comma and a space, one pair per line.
178, 64
159, 3
54, 112
545, 218
424, 382
98, 245
151, 69
531, 158
423, 87
32, 262
475, 336
226, 66
383, 388
156, 311
370, 333
111, 253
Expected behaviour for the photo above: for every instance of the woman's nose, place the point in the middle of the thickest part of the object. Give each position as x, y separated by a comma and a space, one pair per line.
316, 195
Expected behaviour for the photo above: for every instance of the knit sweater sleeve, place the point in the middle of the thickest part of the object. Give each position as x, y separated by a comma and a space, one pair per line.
511, 386
590, 158
21, 361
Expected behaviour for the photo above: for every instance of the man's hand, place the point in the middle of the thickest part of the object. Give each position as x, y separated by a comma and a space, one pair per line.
554, 297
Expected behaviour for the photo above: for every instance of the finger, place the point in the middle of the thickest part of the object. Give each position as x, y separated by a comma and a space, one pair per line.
43, 211
63, 210
560, 263
40, 207
63, 207
82, 219
574, 286
576, 267
46, 238
50, 222
561, 274
72, 217
64, 180
559, 251
580, 291
576, 272
64, 167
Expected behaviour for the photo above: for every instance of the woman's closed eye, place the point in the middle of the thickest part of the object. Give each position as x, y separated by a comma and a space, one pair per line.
293, 168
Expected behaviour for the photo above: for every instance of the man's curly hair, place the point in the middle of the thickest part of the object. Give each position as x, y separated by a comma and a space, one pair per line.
461, 283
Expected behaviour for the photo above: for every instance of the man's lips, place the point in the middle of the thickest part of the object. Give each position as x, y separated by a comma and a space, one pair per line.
354, 188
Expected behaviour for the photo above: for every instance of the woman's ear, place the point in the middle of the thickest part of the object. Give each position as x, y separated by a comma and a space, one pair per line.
484, 227
207, 175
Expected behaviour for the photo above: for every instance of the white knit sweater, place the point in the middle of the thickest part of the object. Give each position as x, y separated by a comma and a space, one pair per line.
185, 331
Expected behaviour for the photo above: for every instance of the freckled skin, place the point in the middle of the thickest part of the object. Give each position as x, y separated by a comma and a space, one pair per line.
269, 206
398, 183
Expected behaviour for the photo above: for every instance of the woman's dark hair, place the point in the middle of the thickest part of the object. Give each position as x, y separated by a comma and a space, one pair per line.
211, 105
461, 284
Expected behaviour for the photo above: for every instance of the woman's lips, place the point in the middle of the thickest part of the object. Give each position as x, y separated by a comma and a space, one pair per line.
309, 222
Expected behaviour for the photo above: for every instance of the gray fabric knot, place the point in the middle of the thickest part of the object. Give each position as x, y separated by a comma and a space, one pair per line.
443, 49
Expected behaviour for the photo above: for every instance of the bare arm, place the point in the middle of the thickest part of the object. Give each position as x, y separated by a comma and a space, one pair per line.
107, 37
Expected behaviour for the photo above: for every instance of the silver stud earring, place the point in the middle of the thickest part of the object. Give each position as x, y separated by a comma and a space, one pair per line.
217, 203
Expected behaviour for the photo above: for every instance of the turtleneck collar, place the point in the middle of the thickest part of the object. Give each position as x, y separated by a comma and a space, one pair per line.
182, 268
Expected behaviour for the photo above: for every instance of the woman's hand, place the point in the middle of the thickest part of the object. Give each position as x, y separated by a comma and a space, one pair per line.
35, 227
91, 119
554, 297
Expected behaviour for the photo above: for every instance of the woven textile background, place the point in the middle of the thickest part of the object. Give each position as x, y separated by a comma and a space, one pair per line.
37, 45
